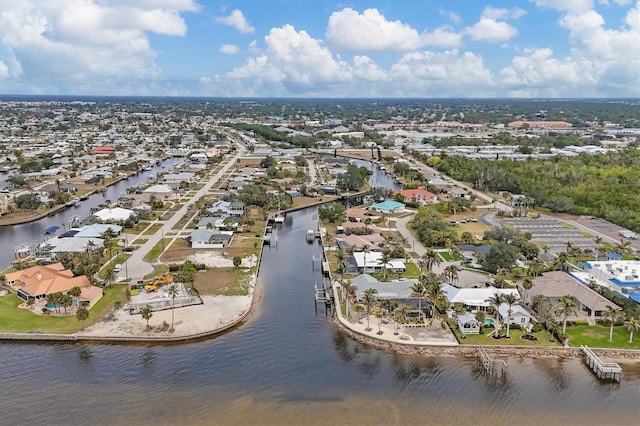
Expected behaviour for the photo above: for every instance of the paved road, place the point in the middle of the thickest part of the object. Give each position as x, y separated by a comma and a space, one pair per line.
136, 266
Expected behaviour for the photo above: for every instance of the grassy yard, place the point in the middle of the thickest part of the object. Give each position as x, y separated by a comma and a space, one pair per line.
482, 339
412, 270
597, 336
15, 320
140, 241
153, 229
448, 257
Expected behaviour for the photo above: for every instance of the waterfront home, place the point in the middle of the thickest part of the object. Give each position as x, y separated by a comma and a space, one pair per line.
374, 263
116, 214
356, 214
519, 315
475, 299
54, 246
204, 238
97, 230
556, 284
357, 242
39, 281
395, 290
218, 223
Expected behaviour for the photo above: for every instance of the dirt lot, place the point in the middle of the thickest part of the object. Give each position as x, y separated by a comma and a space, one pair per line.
212, 281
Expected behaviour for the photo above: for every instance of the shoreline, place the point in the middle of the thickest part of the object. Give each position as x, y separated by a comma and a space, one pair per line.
499, 351
96, 333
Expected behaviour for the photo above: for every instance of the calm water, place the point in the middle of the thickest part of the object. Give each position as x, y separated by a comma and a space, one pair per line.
287, 365
31, 233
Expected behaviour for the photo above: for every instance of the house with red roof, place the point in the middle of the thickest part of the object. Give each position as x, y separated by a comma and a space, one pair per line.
420, 196
40, 281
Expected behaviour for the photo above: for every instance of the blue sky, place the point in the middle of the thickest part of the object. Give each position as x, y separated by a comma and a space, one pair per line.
314, 48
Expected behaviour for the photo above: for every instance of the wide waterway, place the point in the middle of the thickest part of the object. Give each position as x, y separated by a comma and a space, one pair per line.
31, 233
289, 365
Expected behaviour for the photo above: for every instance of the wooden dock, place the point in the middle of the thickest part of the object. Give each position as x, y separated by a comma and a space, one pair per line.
603, 370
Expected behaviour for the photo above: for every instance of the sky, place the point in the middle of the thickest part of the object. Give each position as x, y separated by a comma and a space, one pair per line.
322, 48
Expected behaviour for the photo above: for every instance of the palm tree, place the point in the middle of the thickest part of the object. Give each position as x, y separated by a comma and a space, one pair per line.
533, 268
622, 247
82, 314
400, 315
451, 274
384, 260
379, 316
419, 290
560, 263
632, 325
110, 276
495, 301
173, 292
75, 292
527, 284
365, 250
369, 298
146, 313
430, 259
347, 287
510, 299
611, 315
566, 306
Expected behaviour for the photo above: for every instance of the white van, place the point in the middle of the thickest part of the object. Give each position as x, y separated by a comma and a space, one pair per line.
117, 268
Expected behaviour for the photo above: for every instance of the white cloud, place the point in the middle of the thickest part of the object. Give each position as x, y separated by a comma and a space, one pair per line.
365, 68
500, 13
491, 31
370, 31
72, 46
229, 49
442, 37
4, 70
438, 74
237, 20
491, 27
452, 16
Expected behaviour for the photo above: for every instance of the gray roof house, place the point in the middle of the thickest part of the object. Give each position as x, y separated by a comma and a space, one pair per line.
203, 238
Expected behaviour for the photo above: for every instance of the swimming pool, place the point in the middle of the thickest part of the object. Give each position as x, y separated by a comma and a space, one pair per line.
489, 321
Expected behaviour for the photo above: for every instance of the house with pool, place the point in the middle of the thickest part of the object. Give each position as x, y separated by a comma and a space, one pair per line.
38, 282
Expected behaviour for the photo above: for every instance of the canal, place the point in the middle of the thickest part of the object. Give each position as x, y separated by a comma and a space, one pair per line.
289, 365
31, 233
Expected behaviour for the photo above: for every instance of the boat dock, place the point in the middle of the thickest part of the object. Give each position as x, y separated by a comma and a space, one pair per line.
602, 370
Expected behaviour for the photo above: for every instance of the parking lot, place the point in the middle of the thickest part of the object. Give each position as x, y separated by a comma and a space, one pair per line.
554, 234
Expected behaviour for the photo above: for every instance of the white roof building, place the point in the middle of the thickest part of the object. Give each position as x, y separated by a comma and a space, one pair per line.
475, 297
116, 214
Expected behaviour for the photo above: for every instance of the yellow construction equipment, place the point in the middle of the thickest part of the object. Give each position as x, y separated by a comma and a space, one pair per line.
164, 279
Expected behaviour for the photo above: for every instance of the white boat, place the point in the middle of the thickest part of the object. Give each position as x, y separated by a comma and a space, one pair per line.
310, 235
278, 219
76, 201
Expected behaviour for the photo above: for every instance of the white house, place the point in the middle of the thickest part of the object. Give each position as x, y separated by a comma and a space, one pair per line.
203, 238
374, 263
519, 315
475, 299
115, 214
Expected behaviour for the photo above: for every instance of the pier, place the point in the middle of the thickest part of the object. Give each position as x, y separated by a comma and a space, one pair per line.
602, 370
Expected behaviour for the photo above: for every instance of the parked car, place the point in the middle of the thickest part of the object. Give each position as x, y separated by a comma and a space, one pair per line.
117, 268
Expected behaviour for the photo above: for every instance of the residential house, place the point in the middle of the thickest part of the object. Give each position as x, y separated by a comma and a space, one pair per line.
204, 238
371, 262
519, 315
419, 196
395, 290
227, 209
40, 281
475, 299
556, 284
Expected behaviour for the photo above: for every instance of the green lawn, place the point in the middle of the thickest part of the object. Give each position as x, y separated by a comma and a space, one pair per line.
597, 336
544, 338
412, 271
448, 257
15, 320
153, 254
